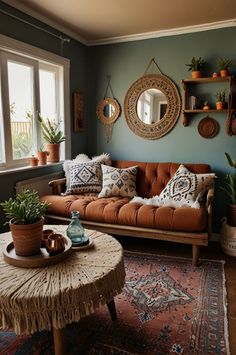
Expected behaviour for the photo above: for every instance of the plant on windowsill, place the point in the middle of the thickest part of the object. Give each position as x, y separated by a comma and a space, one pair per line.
25, 214
42, 156
53, 136
230, 189
224, 64
220, 100
197, 66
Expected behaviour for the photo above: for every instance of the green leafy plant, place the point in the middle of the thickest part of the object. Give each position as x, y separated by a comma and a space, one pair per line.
197, 64
51, 130
230, 181
220, 96
25, 208
224, 63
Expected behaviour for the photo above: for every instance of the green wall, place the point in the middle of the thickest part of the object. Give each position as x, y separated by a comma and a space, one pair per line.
76, 53
126, 62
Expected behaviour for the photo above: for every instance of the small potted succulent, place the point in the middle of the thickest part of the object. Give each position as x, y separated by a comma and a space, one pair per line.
220, 100
25, 214
53, 136
224, 64
196, 66
42, 156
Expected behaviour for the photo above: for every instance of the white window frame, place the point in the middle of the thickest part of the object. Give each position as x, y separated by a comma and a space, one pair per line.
45, 60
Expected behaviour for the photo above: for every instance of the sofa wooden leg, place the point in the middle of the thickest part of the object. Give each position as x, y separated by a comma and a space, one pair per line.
195, 254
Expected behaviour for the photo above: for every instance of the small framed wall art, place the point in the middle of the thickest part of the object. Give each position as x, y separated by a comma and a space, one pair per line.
79, 123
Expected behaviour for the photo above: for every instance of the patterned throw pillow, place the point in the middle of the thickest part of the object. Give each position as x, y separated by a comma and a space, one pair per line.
118, 182
84, 177
186, 188
104, 158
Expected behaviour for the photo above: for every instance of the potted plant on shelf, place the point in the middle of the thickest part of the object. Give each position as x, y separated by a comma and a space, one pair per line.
224, 64
25, 213
196, 66
220, 100
53, 136
42, 156
230, 189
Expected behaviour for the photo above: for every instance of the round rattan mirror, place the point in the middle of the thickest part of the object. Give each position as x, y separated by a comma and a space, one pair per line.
108, 110
152, 106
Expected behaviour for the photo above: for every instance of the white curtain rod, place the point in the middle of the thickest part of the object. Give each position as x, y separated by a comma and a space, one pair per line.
63, 39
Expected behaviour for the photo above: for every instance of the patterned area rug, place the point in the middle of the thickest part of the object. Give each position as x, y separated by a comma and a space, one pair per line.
167, 307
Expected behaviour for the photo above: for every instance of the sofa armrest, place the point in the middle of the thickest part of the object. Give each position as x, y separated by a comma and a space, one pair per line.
57, 185
209, 206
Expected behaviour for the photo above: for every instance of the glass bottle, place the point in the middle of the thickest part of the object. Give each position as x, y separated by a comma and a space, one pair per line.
75, 231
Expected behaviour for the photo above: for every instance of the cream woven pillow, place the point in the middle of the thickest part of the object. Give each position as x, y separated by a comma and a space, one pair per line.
118, 182
186, 188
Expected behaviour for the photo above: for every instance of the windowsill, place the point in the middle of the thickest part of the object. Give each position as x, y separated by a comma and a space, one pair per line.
27, 168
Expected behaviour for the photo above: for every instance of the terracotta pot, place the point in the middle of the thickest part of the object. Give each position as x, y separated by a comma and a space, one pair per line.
42, 157
196, 74
53, 151
219, 105
27, 237
231, 215
33, 161
224, 73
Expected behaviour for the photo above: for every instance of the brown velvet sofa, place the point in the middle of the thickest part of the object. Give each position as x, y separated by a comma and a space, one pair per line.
115, 215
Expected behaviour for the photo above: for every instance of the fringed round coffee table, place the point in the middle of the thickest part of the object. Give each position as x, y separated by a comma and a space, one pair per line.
49, 298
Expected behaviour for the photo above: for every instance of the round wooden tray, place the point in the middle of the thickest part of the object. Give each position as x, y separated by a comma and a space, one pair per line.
39, 260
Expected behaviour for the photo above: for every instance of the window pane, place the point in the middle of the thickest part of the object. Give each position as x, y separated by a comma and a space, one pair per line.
48, 107
20, 78
1, 127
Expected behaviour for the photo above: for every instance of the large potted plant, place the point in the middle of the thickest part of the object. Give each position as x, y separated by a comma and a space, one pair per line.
196, 66
25, 213
53, 136
230, 189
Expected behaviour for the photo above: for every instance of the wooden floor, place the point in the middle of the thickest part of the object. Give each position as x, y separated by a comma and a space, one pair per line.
213, 251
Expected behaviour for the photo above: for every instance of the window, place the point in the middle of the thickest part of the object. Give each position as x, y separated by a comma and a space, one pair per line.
30, 84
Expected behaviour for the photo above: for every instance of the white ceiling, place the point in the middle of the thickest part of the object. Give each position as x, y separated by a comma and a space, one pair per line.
101, 21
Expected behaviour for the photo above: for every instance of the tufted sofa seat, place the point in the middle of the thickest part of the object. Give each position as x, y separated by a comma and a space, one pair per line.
116, 215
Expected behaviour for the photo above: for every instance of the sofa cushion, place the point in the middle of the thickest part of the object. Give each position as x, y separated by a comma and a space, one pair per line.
84, 177
186, 188
118, 210
118, 182
71, 166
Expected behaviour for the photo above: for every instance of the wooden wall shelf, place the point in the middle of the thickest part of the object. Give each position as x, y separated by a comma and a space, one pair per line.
187, 84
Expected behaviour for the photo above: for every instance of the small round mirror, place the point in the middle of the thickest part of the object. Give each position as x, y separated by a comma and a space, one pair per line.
108, 110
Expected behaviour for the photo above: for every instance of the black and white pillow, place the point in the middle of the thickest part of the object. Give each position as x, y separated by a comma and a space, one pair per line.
84, 177
186, 188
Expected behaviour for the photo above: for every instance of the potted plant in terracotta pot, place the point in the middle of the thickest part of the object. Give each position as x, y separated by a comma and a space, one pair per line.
230, 189
196, 66
220, 100
53, 136
42, 156
25, 213
224, 64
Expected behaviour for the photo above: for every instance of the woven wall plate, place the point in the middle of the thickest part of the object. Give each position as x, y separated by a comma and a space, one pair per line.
208, 127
